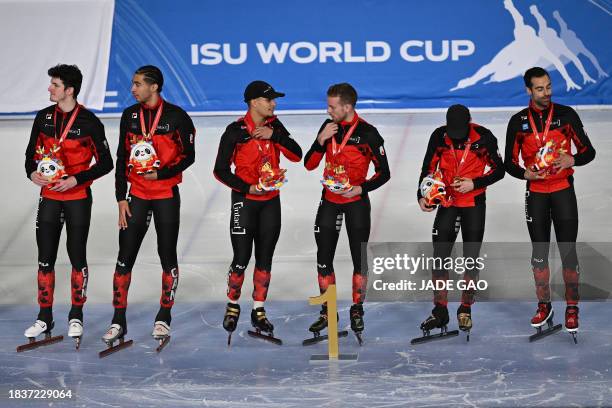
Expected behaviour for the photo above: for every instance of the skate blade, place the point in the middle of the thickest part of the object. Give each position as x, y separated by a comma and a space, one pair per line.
163, 341
35, 344
229, 339
544, 333
112, 349
432, 337
77, 342
359, 339
266, 337
467, 332
574, 334
317, 339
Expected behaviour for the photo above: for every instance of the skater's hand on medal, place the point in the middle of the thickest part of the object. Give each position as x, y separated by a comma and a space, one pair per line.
328, 131
354, 191
38, 179
424, 206
534, 174
463, 185
124, 212
263, 132
565, 161
151, 176
64, 185
255, 190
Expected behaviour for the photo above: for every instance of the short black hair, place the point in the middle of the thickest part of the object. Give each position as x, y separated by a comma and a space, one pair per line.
152, 75
535, 72
70, 75
345, 91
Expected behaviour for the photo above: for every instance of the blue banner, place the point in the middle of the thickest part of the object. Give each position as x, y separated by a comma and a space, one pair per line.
397, 54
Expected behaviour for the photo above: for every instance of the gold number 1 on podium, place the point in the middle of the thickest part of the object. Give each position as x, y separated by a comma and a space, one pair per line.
330, 298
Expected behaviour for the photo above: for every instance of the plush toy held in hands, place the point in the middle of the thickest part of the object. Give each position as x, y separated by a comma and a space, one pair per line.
433, 190
335, 179
143, 158
271, 179
50, 165
546, 156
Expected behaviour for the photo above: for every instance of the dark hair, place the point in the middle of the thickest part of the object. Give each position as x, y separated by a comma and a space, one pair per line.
345, 91
70, 75
535, 72
152, 75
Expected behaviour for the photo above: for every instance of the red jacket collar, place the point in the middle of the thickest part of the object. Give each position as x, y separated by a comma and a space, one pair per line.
250, 124
145, 106
352, 122
58, 110
536, 109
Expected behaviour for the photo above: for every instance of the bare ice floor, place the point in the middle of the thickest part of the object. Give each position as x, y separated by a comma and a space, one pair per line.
497, 368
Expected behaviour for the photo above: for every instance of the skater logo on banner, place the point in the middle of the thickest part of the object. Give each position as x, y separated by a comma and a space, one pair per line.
433, 190
271, 177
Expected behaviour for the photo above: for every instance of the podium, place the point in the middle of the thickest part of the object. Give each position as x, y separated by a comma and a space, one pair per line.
333, 355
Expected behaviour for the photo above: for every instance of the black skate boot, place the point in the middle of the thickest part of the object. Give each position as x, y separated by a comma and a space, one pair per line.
356, 315
437, 320
464, 318
261, 324
318, 326
321, 323
230, 320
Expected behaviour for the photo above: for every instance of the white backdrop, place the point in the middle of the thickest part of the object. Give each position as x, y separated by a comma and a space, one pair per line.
38, 34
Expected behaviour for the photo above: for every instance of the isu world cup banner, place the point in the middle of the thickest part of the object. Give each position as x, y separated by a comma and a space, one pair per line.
397, 54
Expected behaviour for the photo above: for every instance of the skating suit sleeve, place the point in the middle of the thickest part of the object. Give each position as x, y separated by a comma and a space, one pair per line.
101, 152
315, 154
382, 174
432, 157
225, 156
513, 148
30, 162
285, 143
493, 160
185, 138
585, 153
121, 182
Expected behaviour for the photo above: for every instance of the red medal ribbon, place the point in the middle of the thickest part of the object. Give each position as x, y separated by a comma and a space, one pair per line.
153, 127
459, 164
542, 141
64, 134
335, 148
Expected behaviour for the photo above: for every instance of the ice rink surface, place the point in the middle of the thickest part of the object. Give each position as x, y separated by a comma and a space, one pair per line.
497, 368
